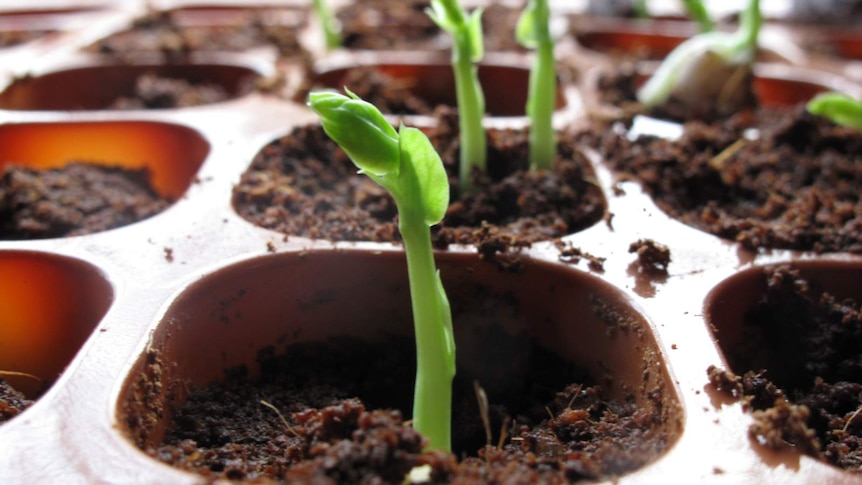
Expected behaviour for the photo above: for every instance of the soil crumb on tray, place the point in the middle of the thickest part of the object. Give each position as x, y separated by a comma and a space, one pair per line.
77, 199
653, 258
796, 185
799, 370
304, 185
346, 424
12, 402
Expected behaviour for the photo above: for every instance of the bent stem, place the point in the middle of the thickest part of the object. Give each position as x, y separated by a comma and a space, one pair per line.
697, 11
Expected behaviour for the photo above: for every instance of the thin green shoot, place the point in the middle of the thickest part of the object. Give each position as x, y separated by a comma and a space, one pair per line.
641, 11
697, 11
330, 25
406, 164
534, 32
722, 49
467, 50
839, 108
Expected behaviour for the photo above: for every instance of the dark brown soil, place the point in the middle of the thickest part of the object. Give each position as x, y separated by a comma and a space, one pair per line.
12, 402
797, 186
346, 426
389, 94
159, 32
78, 199
801, 370
384, 25
152, 91
304, 185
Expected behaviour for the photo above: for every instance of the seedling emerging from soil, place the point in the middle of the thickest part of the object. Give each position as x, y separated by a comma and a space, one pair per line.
329, 24
697, 11
467, 50
840, 108
710, 65
533, 32
406, 164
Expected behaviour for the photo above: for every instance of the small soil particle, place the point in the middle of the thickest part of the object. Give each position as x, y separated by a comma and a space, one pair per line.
77, 199
653, 258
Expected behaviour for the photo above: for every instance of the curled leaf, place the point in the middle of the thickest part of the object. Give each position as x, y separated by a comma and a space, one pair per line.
360, 129
431, 178
840, 108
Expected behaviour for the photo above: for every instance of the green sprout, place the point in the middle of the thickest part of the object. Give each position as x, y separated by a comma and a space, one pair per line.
533, 32
467, 50
406, 164
839, 108
641, 11
705, 59
331, 26
697, 11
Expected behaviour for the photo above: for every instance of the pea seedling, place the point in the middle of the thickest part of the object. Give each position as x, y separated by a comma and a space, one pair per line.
839, 108
330, 25
703, 66
533, 32
406, 164
467, 50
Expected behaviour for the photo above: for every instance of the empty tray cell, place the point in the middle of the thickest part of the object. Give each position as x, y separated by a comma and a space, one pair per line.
49, 305
207, 28
792, 332
286, 328
124, 86
75, 178
420, 86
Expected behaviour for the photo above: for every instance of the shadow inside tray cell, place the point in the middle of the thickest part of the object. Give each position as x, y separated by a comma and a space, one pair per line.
432, 84
126, 86
276, 325
74, 178
49, 306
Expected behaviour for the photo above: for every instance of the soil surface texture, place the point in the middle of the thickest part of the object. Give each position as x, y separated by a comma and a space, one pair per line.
152, 91
344, 402
384, 25
160, 32
766, 178
800, 371
304, 185
77, 199
12, 402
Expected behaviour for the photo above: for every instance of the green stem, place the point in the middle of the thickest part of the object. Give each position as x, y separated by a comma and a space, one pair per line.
471, 107
432, 402
543, 94
331, 30
697, 11
750, 22
640, 9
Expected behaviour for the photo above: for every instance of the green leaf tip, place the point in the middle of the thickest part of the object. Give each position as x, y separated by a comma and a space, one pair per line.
838, 107
360, 129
